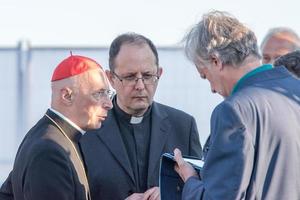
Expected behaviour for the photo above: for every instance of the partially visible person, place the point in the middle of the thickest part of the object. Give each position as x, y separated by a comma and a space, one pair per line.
278, 42
6, 192
291, 61
49, 163
254, 145
123, 156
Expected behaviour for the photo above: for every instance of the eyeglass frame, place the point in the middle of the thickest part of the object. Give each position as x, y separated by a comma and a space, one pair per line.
102, 94
132, 82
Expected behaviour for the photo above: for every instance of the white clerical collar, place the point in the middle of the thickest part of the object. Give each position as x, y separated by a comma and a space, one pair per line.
136, 120
68, 120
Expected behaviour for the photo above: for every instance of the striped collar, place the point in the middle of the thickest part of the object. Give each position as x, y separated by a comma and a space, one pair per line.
251, 73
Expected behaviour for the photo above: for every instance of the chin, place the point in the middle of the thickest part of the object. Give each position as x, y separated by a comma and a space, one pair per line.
95, 126
98, 126
141, 100
141, 106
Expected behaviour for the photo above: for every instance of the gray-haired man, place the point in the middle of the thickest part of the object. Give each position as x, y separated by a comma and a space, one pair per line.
253, 149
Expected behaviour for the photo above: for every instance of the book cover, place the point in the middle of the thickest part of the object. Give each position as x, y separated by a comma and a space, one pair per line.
170, 182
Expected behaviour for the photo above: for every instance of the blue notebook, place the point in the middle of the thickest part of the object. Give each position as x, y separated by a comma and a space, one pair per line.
170, 182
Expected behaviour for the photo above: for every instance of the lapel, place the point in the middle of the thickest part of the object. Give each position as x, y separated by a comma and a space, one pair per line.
159, 134
110, 135
206, 148
74, 135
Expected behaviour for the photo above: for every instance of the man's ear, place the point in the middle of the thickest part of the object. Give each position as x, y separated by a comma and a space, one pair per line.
216, 62
160, 71
110, 77
67, 96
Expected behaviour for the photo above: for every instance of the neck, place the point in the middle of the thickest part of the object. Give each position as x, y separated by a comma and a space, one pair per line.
67, 119
234, 74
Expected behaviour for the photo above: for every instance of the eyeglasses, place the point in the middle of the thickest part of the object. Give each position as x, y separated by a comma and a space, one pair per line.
148, 79
103, 94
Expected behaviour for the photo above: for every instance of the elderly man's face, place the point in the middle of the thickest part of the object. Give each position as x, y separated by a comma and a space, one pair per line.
135, 62
91, 102
211, 72
275, 47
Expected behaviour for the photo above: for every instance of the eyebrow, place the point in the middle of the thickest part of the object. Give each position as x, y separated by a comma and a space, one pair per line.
100, 90
134, 73
202, 76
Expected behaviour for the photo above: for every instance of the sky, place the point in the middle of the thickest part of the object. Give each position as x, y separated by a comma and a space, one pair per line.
98, 22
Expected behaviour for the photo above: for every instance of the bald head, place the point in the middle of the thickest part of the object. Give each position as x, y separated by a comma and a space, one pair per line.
278, 42
65, 91
80, 91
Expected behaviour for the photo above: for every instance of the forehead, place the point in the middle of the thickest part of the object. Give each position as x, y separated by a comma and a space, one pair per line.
278, 44
135, 57
96, 79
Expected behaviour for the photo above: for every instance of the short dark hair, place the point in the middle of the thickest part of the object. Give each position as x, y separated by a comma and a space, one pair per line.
129, 38
291, 61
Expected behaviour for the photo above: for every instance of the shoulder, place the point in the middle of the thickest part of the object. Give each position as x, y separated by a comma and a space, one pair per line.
50, 156
39, 154
44, 140
239, 110
237, 103
48, 148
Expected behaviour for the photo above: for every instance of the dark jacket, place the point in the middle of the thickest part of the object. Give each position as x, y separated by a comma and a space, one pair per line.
46, 165
109, 169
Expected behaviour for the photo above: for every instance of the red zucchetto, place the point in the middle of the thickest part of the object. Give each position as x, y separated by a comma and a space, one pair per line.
72, 66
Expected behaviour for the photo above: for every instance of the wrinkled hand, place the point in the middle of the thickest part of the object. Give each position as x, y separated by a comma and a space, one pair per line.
184, 169
151, 194
135, 196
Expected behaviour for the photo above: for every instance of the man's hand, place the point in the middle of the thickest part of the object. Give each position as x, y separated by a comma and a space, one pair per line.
184, 169
135, 196
151, 194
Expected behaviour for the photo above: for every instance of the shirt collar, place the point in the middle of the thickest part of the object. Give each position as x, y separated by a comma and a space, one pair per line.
251, 73
68, 120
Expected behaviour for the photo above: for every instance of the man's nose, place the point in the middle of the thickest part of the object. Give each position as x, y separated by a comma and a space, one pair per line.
107, 104
212, 89
139, 83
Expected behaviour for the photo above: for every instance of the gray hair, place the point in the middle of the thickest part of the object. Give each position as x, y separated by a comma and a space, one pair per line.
129, 38
222, 35
295, 43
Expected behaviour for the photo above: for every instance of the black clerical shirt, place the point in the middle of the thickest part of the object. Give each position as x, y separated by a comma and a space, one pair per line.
136, 138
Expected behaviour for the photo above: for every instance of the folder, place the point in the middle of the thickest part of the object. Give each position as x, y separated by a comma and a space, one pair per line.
170, 182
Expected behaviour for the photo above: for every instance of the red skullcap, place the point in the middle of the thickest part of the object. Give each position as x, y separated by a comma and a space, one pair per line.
73, 65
